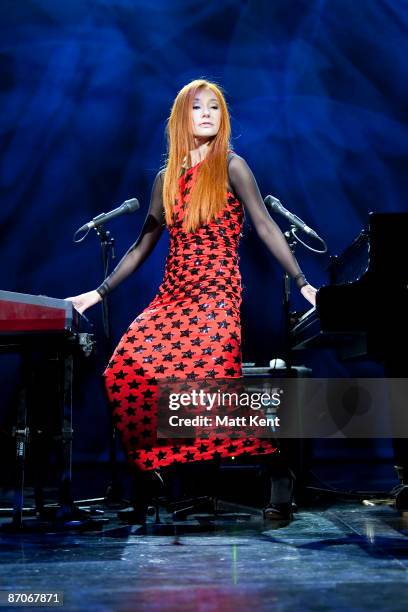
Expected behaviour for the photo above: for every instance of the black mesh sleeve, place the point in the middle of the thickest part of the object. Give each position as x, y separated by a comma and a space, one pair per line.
149, 236
246, 189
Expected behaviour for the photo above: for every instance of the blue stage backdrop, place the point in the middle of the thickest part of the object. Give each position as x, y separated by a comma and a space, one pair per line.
318, 96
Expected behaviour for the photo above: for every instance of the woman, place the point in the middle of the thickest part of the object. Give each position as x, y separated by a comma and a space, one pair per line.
191, 329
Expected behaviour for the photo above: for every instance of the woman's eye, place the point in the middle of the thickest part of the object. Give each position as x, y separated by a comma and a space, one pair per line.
197, 107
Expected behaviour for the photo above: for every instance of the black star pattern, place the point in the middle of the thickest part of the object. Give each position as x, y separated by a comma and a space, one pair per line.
211, 374
139, 349
120, 375
134, 384
260, 450
200, 363
201, 285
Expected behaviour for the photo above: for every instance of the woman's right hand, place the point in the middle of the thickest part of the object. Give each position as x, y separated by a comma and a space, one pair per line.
85, 300
309, 293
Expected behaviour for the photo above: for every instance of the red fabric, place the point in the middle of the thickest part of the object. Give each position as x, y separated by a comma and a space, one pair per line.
190, 330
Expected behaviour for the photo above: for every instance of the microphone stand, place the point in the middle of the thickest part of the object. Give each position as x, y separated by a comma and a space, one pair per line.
291, 240
114, 491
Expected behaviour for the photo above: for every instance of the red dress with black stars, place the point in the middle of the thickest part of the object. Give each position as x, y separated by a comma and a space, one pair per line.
190, 330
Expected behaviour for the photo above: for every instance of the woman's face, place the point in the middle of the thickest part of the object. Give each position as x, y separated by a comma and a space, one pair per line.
206, 114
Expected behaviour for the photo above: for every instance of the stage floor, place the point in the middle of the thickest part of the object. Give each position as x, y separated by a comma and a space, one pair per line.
334, 557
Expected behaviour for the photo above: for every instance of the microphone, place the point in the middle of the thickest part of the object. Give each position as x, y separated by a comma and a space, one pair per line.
275, 205
128, 206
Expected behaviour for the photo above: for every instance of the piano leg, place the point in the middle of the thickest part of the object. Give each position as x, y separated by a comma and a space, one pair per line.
396, 366
66, 367
21, 433
401, 465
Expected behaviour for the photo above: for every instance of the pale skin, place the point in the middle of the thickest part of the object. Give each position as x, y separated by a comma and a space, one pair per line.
206, 119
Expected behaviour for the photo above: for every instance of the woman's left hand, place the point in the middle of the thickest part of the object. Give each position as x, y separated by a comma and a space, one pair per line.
309, 293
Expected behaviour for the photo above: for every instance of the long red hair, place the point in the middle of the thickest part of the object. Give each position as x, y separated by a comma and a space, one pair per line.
208, 197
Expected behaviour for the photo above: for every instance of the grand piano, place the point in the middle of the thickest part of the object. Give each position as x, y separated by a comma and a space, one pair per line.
363, 311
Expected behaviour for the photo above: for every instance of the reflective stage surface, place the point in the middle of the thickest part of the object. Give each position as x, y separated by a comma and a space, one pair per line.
341, 556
